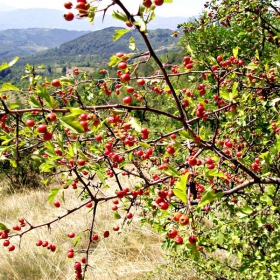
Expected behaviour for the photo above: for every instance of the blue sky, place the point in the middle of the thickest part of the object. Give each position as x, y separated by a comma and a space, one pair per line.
183, 8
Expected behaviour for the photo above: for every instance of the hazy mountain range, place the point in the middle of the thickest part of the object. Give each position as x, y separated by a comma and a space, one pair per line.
49, 18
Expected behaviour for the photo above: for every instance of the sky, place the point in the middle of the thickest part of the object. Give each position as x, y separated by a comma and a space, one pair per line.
183, 8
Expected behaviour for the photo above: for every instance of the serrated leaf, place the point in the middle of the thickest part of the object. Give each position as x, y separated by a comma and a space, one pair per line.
172, 172
181, 187
132, 44
100, 176
34, 102
215, 173
134, 124
76, 111
209, 197
235, 52
71, 122
67, 81
119, 16
13, 106
3, 227
13, 162
52, 195
7, 65
77, 239
9, 87
119, 33
143, 144
117, 216
189, 49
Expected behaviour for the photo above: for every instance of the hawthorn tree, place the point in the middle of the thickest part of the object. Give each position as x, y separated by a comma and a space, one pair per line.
198, 140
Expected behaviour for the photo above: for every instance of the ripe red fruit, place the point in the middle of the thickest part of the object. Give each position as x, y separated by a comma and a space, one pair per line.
147, 3
140, 82
122, 65
81, 162
89, 205
68, 16
47, 136
125, 78
30, 123
163, 205
56, 204
70, 254
6, 243
68, 5
51, 117
193, 239
127, 100
116, 228
172, 233
176, 216
94, 237
56, 83
179, 240
42, 128
39, 243
158, 2
184, 220
11, 248
71, 234
106, 234
219, 58
129, 215
192, 161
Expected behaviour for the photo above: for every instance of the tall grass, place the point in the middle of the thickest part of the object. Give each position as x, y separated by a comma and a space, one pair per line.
129, 255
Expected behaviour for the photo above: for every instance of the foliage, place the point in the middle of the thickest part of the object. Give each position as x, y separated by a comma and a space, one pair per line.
198, 140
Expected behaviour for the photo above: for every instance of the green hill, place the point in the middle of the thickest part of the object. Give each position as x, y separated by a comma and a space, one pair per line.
98, 46
23, 42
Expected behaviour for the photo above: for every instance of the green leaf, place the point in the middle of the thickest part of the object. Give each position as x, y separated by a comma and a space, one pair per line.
52, 195
143, 144
100, 176
34, 102
13, 162
168, 1
209, 197
172, 172
132, 44
142, 24
244, 211
13, 106
134, 124
266, 198
119, 33
117, 216
252, 66
181, 187
77, 239
3, 227
233, 91
215, 173
71, 122
9, 87
225, 94
235, 52
7, 65
76, 111
189, 49
119, 16
67, 81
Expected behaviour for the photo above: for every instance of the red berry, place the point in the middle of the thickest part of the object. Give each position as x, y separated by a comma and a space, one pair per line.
42, 128
30, 123
106, 234
56, 204
179, 240
127, 100
172, 233
69, 16
56, 82
193, 239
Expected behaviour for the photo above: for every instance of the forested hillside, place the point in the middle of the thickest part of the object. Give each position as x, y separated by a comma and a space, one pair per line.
23, 42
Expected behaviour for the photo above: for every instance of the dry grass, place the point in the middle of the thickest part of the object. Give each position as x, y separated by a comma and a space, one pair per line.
129, 255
